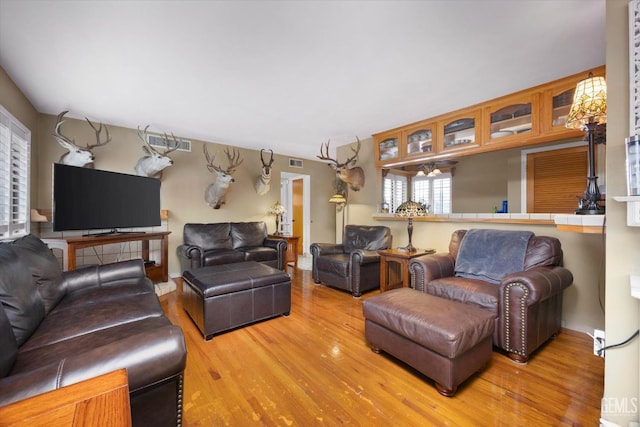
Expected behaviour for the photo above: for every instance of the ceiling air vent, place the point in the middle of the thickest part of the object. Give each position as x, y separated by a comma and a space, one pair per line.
295, 163
158, 141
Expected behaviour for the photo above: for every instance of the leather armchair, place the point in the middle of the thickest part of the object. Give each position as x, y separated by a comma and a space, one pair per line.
527, 304
353, 265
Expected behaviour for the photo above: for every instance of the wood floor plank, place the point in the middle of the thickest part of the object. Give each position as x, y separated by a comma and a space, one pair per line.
314, 367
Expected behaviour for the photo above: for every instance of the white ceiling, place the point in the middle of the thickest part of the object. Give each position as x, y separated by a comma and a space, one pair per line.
288, 75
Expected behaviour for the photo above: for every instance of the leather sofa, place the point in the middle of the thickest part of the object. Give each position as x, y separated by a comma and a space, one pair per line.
526, 304
354, 264
59, 328
228, 242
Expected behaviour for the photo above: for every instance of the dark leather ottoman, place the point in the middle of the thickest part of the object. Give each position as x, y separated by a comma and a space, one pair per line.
226, 296
447, 341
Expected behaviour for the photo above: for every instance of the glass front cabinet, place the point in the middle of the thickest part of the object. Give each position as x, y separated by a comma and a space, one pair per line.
531, 116
556, 102
419, 140
462, 130
512, 119
387, 147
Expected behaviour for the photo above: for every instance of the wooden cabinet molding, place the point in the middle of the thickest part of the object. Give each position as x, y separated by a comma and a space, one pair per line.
548, 102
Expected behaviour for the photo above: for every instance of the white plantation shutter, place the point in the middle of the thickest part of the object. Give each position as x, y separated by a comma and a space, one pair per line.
394, 191
433, 191
15, 155
441, 194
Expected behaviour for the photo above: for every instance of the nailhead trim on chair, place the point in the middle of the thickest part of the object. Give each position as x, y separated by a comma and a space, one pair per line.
179, 402
522, 351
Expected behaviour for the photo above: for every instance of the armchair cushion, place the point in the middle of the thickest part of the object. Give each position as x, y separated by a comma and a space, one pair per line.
491, 254
364, 237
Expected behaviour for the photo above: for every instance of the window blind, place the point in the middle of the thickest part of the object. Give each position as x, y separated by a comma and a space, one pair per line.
15, 155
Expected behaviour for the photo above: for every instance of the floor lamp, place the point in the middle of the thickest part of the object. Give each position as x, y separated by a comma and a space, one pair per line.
589, 109
340, 201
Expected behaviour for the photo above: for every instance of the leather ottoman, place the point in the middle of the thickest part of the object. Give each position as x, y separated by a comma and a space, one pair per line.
223, 297
447, 341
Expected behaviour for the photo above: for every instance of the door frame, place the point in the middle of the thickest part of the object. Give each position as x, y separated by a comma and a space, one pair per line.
286, 195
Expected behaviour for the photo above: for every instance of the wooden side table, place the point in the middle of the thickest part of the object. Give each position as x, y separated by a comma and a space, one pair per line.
390, 279
292, 248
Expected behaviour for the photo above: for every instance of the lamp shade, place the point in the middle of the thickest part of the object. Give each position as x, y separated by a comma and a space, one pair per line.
338, 199
589, 103
411, 209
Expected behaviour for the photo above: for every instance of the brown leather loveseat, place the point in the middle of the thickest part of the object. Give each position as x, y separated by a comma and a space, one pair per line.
59, 328
228, 242
525, 298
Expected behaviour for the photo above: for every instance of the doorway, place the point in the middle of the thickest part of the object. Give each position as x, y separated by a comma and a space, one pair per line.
295, 195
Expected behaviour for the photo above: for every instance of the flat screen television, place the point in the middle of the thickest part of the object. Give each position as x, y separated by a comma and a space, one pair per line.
93, 199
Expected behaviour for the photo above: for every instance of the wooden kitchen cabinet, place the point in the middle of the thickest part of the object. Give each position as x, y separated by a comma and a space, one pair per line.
531, 116
512, 119
419, 140
387, 147
461, 130
556, 100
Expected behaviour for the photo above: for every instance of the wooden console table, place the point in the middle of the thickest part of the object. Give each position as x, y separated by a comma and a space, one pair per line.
156, 272
292, 249
390, 278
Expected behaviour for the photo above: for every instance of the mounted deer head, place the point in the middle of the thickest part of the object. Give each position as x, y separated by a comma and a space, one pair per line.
263, 184
155, 161
78, 156
353, 176
216, 192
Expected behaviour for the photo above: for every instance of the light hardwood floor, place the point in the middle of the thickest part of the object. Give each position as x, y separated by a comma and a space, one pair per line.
315, 368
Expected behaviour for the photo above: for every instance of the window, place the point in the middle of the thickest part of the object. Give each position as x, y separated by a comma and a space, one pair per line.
15, 155
394, 191
434, 192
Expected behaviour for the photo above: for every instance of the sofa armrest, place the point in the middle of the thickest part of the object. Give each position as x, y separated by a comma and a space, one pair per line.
190, 256
426, 268
280, 245
106, 275
318, 249
149, 358
534, 285
363, 256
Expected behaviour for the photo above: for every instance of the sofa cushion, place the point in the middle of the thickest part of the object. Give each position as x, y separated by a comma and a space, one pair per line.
44, 268
8, 345
221, 256
18, 293
208, 236
472, 291
85, 317
248, 234
259, 253
543, 251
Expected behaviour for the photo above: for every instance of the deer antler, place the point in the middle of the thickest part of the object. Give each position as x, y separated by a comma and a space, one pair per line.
234, 159
262, 159
58, 135
210, 160
98, 131
325, 155
143, 136
356, 151
166, 143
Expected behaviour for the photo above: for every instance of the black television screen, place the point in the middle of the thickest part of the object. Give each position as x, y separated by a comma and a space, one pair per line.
93, 199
